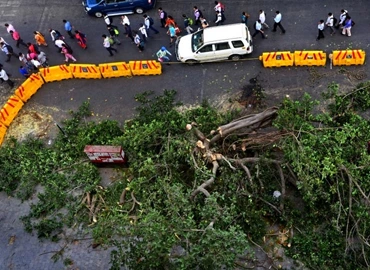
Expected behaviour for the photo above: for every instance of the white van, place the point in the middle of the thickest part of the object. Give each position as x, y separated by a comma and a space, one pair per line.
230, 41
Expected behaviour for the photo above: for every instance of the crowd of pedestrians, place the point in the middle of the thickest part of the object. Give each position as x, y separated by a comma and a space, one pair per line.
33, 57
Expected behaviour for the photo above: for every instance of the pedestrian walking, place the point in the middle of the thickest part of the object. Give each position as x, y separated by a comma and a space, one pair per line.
67, 53
5, 77
24, 71
342, 18
172, 32
197, 15
330, 23
40, 39
42, 58
68, 27
139, 43
36, 63
9, 27
108, 20
346, 31
59, 44
203, 22
149, 22
114, 33
125, 20
219, 18
219, 7
108, 45
188, 22
245, 17
55, 34
320, 27
25, 62
162, 55
33, 48
81, 39
277, 22
262, 18
170, 20
258, 29
162, 16
143, 32
17, 38
128, 32
8, 50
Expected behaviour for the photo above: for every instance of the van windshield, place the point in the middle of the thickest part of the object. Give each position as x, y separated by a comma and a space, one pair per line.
197, 40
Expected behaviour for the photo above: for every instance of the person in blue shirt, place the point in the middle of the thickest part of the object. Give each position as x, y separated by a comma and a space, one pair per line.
245, 17
68, 27
23, 70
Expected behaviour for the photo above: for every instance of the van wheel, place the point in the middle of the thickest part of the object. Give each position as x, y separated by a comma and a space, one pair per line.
98, 14
191, 62
139, 10
235, 57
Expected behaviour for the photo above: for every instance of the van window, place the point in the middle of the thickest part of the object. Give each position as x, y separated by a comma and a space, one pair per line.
110, 1
222, 46
207, 48
237, 43
197, 40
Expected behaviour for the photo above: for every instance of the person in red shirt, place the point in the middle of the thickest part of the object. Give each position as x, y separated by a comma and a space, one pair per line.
32, 48
17, 38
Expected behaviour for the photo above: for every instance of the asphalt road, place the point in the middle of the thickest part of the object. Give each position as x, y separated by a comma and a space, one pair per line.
114, 98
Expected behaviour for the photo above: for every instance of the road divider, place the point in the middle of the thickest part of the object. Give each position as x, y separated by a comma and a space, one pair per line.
277, 59
85, 71
3, 130
114, 70
348, 57
149, 67
29, 87
10, 110
309, 58
56, 73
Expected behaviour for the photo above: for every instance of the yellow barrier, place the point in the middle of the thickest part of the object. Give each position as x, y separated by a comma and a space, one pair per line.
85, 71
309, 58
10, 110
56, 73
348, 57
277, 59
29, 87
145, 67
2, 132
113, 70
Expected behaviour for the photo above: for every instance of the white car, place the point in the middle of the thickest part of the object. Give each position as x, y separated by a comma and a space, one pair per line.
216, 43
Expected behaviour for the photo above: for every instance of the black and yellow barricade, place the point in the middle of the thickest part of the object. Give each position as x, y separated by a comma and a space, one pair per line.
10, 110
85, 71
56, 73
149, 67
2, 132
29, 87
114, 70
348, 57
309, 58
277, 59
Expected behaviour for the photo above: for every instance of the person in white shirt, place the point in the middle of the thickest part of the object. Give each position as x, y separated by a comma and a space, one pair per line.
143, 32
5, 77
219, 18
342, 18
125, 20
107, 20
107, 45
9, 27
59, 44
218, 6
277, 22
262, 18
258, 29
330, 23
321, 26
